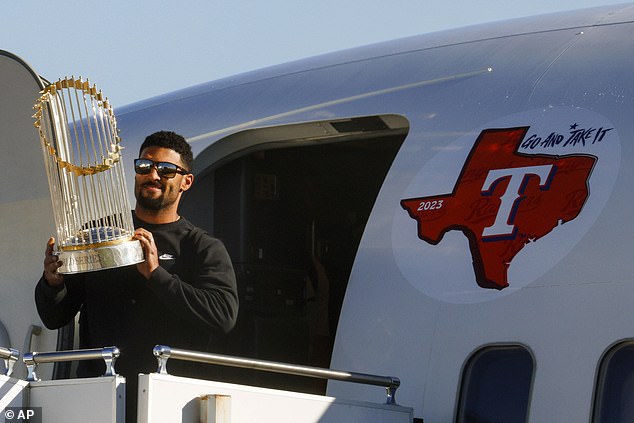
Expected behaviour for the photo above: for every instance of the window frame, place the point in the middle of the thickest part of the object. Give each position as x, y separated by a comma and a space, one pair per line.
468, 367
601, 375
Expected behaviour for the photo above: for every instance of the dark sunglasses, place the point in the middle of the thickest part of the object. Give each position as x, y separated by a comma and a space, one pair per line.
163, 169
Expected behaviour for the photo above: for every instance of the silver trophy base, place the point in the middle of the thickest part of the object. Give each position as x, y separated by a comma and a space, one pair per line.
100, 258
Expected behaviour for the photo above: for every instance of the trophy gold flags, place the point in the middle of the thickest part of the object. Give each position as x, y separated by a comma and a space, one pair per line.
82, 156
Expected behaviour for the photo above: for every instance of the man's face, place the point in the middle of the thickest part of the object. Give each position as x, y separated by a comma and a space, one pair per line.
154, 192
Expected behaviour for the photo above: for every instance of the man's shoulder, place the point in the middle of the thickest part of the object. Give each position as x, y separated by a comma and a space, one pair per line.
199, 243
196, 233
191, 229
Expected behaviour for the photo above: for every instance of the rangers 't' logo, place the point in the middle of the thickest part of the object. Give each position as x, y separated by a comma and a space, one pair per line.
503, 200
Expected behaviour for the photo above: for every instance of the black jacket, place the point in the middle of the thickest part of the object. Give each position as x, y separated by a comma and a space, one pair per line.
191, 296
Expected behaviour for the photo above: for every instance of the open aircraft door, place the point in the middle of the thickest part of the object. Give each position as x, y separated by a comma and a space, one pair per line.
290, 203
25, 207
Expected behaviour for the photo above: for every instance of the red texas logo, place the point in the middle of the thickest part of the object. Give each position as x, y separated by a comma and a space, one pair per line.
503, 200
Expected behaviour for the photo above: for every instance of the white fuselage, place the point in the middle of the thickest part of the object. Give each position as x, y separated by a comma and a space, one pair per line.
510, 140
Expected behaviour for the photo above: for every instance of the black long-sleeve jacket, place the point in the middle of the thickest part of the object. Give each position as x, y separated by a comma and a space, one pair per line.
191, 296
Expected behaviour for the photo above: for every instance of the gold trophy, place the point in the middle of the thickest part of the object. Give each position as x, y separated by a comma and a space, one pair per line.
82, 156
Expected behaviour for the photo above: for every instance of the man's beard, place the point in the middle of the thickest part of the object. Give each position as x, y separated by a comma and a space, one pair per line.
151, 203
154, 203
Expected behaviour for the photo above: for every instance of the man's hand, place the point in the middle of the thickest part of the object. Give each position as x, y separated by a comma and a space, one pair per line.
51, 264
149, 250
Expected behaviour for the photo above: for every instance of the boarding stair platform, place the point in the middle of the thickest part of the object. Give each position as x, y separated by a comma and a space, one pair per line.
166, 398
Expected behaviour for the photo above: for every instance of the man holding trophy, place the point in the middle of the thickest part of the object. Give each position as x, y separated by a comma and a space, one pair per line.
180, 295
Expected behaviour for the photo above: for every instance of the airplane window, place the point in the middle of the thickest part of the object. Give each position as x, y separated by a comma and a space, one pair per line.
616, 386
496, 386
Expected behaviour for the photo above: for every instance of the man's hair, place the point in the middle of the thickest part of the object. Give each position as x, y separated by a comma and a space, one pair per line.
173, 141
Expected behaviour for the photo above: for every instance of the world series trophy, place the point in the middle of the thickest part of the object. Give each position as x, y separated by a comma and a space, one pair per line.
82, 156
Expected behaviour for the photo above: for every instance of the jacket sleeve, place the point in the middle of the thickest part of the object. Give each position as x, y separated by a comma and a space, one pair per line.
211, 297
58, 306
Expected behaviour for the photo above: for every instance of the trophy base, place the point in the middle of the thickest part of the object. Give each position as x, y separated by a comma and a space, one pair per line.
100, 258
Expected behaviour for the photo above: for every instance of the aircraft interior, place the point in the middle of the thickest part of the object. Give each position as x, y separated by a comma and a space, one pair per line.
292, 219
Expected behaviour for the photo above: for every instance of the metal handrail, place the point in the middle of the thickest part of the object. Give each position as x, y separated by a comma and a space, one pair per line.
10, 357
108, 354
163, 353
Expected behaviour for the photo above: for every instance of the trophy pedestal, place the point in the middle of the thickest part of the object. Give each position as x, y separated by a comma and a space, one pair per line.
100, 257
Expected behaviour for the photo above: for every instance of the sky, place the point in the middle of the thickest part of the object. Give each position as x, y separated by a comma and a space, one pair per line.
135, 49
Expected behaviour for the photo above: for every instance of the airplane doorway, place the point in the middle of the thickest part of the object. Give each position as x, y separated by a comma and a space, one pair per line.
291, 213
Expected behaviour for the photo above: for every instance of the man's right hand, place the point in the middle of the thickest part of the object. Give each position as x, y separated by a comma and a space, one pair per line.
51, 264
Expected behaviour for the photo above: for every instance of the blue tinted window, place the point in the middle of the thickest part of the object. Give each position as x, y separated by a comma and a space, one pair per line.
614, 403
496, 386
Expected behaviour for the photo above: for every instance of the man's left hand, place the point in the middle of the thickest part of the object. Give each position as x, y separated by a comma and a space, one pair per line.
149, 251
